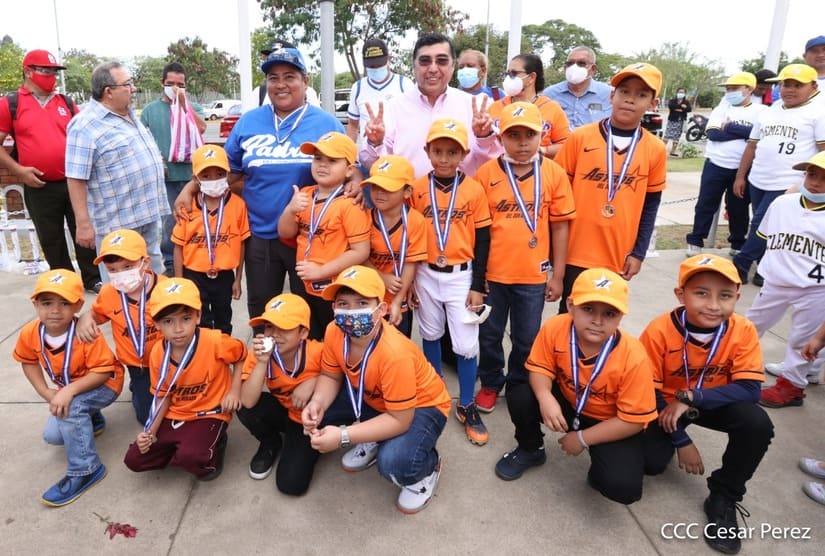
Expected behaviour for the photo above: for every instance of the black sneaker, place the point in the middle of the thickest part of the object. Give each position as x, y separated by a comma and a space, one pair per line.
743, 275
512, 465
221, 448
758, 280
722, 531
95, 289
261, 464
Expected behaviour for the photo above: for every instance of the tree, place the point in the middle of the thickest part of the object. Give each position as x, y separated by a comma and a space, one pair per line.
755, 64
683, 68
148, 72
357, 20
11, 72
206, 70
553, 39
78, 73
475, 38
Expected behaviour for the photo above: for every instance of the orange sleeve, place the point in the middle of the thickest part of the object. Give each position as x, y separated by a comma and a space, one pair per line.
356, 223
562, 205
416, 236
542, 359
653, 341
24, 350
556, 124
747, 360
636, 397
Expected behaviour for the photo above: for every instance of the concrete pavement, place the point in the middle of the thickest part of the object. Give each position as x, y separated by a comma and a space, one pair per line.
550, 509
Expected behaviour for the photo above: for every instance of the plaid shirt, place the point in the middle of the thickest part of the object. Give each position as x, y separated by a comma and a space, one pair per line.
122, 167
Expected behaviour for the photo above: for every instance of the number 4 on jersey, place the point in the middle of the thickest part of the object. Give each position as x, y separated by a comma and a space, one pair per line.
816, 274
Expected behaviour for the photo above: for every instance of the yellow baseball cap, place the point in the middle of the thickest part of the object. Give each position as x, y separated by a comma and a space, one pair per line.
208, 156
62, 282
286, 311
648, 73
742, 78
334, 145
450, 129
524, 114
600, 284
817, 160
798, 72
127, 244
174, 291
391, 172
707, 263
361, 279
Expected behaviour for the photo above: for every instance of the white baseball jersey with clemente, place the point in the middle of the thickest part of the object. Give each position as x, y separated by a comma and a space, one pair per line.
795, 250
728, 154
786, 136
365, 91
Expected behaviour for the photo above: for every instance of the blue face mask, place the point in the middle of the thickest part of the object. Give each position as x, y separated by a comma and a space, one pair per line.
377, 75
355, 323
817, 198
735, 98
467, 77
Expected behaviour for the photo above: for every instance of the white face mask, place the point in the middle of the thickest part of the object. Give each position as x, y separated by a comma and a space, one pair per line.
512, 85
214, 188
127, 280
169, 92
575, 74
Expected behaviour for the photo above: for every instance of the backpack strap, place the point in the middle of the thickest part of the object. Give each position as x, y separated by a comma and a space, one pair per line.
261, 94
12, 109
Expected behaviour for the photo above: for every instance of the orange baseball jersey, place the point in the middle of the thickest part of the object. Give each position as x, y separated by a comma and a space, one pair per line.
94, 357
595, 239
470, 212
739, 356
398, 376
190, 235
202, 385
281, 384
625, 386
342, 225
556, 127
108, 307
512, 260
380, 256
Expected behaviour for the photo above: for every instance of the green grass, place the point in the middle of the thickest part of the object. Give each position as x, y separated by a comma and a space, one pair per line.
685, 164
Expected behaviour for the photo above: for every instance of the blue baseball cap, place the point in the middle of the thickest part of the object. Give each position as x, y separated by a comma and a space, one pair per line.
816, 41
291, 56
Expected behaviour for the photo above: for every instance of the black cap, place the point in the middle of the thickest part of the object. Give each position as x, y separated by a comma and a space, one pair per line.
277, 45
763, 75
375, 52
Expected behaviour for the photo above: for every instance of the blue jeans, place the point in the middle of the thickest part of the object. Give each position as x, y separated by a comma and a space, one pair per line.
167, 248
75, 432
717, 182
524, 303
149, 232
141, 396
754, 246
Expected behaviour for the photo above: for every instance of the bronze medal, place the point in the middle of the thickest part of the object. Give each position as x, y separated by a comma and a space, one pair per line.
533, 242
441, 261
212, 273
608, 210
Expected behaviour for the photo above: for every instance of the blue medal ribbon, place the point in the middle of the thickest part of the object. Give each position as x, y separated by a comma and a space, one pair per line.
164, 371
313, 222
714, 347
441, 236
138, 339
212, 238
581, 399
357, 398
296, 362
613, 186
278, 122
65, 375
397, 264
532, 224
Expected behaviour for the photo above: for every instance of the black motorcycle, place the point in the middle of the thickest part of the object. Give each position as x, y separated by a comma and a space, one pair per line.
696, 129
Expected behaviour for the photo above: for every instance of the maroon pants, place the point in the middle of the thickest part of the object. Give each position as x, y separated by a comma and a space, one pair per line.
190, 445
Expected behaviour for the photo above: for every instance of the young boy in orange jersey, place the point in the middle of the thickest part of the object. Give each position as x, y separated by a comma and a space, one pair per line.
209, 243
332, 233
123, 302
590, 381
406, 405
451, 284
618, 172
193, 391
531, 205
86, 378
707, 369
398, 237
288, 364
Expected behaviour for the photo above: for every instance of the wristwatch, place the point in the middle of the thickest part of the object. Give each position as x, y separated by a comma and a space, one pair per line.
345, 443
683, 396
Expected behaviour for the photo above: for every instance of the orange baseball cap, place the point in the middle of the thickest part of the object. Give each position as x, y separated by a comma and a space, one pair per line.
817, 160
286, 311
208, 156
124, 243
334, 145
707, 263
524, 114
361, 279
798, 72
174, 291
648, 73
600, 284
62, 282
451, 129
391, 172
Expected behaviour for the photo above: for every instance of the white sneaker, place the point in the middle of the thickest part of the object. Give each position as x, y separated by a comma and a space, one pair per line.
692, 250
733, 252
815, 490
360, 457
415, 497
811, 467
776, 369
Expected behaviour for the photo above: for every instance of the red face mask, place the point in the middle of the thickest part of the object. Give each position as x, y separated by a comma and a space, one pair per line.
45, 82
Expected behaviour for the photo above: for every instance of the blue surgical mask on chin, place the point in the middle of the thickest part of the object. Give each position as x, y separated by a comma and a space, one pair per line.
735, 98
817, 198
377, 75
355, 323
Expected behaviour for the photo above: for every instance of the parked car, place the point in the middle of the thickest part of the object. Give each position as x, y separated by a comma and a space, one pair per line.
342, 105
230, 120
653, 122
219, 108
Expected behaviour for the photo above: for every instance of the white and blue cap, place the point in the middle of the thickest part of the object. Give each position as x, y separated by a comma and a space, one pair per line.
286, 55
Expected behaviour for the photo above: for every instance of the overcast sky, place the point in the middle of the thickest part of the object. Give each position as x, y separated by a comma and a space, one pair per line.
727, 31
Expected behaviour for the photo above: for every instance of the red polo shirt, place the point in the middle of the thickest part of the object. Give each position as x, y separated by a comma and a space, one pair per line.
39, 132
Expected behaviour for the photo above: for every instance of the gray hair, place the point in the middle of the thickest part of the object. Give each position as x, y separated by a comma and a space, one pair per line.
102, 78
587, 49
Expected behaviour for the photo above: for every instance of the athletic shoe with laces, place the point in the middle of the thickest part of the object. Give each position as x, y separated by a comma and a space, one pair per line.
782, 394
720, 531
68, 489
260, 466
221, 448
512, 465
473, 426
692, 250
415, 497
98, 423
776, 369
360, 457
486, 399
816, 491
812, 467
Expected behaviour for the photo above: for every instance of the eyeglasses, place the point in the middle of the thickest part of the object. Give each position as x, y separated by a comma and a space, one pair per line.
580, 63
44, 71
513, 73
129, 84
427, 61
